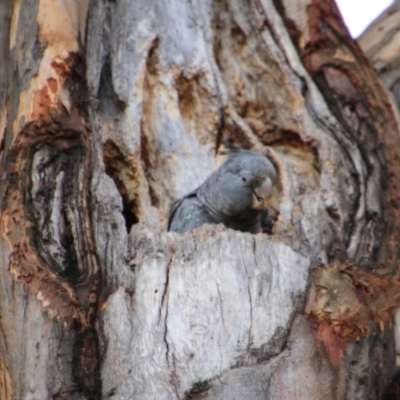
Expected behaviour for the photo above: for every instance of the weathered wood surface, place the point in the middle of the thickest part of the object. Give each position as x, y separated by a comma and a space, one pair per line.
118, 109
198, 310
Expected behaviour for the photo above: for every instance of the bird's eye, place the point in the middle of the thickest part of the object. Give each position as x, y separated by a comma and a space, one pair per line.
244, 179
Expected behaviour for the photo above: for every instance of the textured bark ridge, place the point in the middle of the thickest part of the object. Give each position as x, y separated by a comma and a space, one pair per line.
49, 263
236, 75
123, 107
45, 218
205, 317
379, 42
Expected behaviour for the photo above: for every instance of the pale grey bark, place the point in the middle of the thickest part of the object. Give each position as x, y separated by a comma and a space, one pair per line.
199, 310
195, 314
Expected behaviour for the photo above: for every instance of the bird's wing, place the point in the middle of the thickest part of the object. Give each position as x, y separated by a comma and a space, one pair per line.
189, 213
176, 205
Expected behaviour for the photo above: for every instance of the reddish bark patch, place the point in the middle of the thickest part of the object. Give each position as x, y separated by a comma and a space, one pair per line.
41, 104
345, 301
62, 68
53, 85
45, 213
350, 299
324, 333
56, 297
324, 20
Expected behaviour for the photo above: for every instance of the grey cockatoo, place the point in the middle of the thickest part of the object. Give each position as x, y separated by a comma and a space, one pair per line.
234, 195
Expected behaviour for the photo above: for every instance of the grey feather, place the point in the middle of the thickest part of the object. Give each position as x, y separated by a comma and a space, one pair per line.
234, 195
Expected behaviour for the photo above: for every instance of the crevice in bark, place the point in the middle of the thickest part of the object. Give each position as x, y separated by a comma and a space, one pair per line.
194, 101
118, 166
2, 143
392, 389
221, 133
120, 170
198, 391
275, 346
165, 292
86, 363
149, 150
145, 157
250, 337
221, 306
187, 88
164, 303
110, 103
52, 201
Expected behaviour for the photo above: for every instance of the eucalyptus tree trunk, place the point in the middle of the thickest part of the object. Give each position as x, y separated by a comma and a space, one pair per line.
115, 109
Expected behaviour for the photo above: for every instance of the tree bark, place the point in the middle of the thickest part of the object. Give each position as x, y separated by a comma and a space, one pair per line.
380, 44
112, 111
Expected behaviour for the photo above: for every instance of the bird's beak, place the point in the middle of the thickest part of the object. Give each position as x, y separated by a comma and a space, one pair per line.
260, 194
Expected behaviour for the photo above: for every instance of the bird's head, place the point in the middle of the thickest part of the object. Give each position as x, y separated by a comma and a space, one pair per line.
258, 177
240, 186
